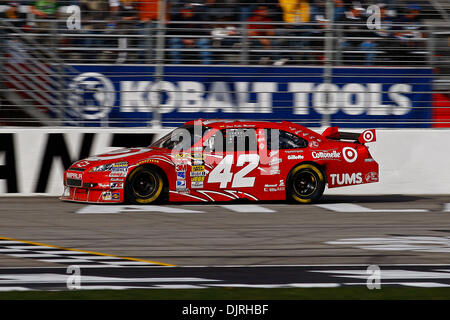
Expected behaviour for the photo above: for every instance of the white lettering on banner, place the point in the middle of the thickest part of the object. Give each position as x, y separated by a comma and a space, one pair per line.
191, 96
301, 92
223, 96
357, 91
264, 92
242, 97
133, 96
140, 96
326, 98
92, 95
376, 107
191, 93
346, 178
403, 102
219, 97
169, 91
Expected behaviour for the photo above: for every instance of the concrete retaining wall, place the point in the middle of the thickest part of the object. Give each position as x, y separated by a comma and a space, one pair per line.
32, 161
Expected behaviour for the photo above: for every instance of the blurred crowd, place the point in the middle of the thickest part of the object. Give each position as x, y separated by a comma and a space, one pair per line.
211, 31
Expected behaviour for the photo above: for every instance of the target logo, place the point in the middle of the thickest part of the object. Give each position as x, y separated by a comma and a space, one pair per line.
350, 154
82, 164
313, 144
368, 136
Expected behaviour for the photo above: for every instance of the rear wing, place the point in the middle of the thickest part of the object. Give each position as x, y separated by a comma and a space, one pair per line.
364, 137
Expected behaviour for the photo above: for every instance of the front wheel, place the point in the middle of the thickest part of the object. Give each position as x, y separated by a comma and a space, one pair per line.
143, 186
306, 184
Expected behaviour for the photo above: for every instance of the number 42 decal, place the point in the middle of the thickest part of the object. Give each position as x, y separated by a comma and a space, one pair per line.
223, 175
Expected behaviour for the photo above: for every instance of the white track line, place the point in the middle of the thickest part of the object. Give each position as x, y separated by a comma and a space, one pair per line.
351, 208
246, 208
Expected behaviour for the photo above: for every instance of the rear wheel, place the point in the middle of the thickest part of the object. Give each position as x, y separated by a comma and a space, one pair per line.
306, 184
143, 186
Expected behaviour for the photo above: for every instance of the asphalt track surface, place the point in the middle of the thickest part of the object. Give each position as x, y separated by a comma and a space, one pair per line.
328, 244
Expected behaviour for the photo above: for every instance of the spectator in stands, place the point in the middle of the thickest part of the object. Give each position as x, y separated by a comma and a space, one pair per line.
409, 31
45, 9
127, 9
185, 33
411, 25
227, 36
98, 18
218, 9
11, 44
383, 38
260, 31
147, 16
125, 26
339, 10
354, 31
18, 19
299, 16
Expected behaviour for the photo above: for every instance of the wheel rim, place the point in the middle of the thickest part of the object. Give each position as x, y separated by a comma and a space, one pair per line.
144, 184
305, 183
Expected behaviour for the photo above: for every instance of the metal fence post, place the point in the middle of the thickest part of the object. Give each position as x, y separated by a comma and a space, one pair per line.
159, 62
328, 67
56, 37
431, 45
245, 44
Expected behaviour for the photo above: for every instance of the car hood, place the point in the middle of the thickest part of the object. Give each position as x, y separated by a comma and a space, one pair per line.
129, 155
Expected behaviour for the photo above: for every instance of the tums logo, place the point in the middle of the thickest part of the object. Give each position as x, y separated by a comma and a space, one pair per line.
346, 178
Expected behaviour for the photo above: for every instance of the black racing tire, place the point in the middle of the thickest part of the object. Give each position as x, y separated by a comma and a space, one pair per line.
305, 184
144, 186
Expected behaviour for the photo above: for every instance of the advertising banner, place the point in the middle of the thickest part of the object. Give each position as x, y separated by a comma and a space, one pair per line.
127, 95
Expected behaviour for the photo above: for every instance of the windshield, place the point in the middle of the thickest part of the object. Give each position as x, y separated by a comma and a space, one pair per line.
181, 138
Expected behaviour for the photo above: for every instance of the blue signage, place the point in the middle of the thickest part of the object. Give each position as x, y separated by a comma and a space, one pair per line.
127, 95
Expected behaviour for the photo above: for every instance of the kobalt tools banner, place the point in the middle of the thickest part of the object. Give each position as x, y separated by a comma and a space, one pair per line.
356, 97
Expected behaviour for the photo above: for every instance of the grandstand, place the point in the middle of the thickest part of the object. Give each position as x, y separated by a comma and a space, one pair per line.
127, 63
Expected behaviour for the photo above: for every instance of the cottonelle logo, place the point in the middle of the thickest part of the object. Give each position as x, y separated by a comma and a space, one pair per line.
326, 154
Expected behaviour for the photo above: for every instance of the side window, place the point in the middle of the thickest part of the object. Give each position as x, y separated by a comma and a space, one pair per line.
230, 140
240, 139
215, 143
286, 140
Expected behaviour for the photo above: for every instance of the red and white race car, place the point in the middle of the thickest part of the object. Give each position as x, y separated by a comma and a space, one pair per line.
223, 160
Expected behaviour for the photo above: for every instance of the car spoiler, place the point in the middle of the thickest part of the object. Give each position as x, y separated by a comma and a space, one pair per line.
364, 137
